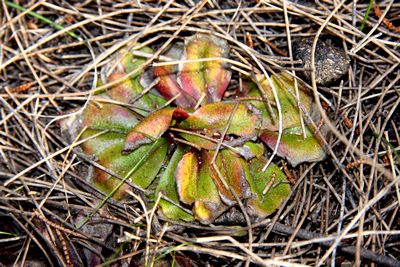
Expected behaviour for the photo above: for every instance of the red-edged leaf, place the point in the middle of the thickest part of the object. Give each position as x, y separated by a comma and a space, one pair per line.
107, 149
186, 176
168, 85
284, 86
152, 127
294, 147
205, 77
208, 205
212, 119
196, 186
167, 185
103, 116
234, 171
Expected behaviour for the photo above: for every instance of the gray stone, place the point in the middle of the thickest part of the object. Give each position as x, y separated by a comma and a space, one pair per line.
330, 62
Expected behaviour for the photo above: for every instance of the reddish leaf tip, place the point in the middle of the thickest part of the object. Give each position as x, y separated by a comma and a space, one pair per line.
134, 141
180, 114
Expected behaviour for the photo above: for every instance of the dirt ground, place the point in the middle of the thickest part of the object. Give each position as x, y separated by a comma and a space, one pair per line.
342, 211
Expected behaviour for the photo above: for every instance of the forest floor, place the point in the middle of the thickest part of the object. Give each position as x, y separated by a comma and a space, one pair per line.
341, 211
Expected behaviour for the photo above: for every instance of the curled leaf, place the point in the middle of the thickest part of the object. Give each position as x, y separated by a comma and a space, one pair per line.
234, 172
152, 127
212, 119
195, 185
168, 85
293, 146
208, 205
206, 75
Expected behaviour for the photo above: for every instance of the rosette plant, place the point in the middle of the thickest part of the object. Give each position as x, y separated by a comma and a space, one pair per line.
183, 139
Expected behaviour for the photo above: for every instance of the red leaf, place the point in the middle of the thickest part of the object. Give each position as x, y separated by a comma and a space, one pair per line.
169, 87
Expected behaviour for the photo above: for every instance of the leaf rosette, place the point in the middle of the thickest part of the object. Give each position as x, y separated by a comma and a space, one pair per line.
201, 152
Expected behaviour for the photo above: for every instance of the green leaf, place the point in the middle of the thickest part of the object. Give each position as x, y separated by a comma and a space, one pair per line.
129, 88
167, 185
284, 85
117, 188
196, 186
294, 147
251, 149
108, 117
125, 90
107, 149
274, 180
131, 62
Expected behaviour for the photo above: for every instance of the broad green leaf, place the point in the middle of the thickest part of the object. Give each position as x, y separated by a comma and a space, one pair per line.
250, 150
152, 127
131, 62
196, 186
272, 182
129, 88
210, 77
284, 85
104, 116
294, 147
97, 145
107, 149
167, 185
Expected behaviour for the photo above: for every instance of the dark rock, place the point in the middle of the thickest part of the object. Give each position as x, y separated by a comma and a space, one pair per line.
330, 62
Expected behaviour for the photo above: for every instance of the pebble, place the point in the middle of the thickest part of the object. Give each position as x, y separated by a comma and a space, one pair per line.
330, 62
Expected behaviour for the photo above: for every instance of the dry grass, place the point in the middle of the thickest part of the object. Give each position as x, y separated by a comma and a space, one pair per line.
342, 211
